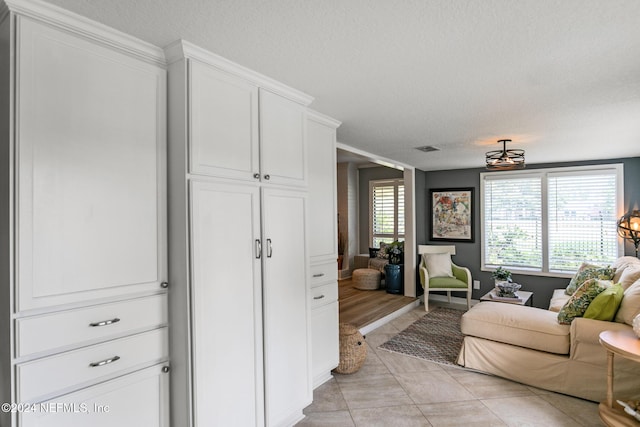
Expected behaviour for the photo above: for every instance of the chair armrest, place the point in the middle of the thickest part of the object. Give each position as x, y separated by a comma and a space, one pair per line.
424, 274
462, 273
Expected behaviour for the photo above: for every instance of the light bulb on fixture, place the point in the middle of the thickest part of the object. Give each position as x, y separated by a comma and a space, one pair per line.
629, 228
505, 159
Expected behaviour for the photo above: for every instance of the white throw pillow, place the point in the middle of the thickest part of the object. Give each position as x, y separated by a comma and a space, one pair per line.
630, 305
438, 265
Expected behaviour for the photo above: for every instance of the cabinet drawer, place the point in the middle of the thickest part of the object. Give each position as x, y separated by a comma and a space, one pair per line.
73, 327
137, 399
323, 273
61, 373
324, 294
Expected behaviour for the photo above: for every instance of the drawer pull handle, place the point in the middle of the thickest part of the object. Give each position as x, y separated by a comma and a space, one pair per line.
318, 275
104, 362
320, 297
104, 322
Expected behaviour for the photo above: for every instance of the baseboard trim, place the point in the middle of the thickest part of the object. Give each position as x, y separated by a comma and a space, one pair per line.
389, 317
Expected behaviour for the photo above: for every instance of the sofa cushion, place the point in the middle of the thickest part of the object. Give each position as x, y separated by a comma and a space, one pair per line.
558, 300
519, 325
586, 272
606, 304
621, 264
629, 275
447, 282
580, 300
630, 305
438, 265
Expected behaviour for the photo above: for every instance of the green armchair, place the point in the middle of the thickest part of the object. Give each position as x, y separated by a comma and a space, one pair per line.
442, 277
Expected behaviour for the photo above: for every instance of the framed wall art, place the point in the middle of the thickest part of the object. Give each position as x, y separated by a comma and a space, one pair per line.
452, 214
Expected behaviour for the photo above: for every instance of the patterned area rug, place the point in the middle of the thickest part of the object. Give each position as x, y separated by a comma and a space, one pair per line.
435, 337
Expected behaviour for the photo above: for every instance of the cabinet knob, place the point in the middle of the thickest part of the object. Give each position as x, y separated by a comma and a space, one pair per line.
267, 177
256, 175
164, 285
166, 369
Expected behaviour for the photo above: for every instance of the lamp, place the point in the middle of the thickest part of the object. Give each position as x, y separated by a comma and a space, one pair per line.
505, 159
629, 228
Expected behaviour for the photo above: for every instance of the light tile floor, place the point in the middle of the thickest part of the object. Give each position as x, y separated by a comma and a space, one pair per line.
396, 390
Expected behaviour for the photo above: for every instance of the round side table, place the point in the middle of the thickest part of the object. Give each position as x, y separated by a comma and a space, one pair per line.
624, 344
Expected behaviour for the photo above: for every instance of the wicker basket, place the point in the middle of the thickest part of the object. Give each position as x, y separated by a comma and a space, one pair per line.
353, 350
366, 279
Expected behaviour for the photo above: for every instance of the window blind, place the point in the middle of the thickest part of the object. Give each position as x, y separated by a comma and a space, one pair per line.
582, 220
551, 220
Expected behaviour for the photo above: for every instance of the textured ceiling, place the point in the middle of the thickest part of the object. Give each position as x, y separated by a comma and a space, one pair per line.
561, 78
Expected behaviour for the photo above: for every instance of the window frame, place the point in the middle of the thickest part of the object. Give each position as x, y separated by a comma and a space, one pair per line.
544, 173
395, 182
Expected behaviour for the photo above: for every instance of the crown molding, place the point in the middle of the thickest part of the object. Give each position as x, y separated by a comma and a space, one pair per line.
183, 49
323, 119
87, 28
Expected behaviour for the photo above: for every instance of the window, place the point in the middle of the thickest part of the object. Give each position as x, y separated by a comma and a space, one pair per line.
386, 211
549, 221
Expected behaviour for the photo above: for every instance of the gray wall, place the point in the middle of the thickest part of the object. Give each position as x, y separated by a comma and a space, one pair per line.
468, 254
366, 175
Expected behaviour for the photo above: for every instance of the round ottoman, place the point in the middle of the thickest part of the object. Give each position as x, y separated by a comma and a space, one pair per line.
353, 350
366, 279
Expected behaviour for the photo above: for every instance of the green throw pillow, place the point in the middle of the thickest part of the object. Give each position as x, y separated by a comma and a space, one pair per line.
586, 272
580, 300
606, 304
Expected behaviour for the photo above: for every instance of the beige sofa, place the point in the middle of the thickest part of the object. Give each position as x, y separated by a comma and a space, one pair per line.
528, 345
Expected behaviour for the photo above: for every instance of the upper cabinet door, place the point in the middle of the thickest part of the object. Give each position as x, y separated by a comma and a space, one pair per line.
90, 145
283, 150
322, 191
223, 124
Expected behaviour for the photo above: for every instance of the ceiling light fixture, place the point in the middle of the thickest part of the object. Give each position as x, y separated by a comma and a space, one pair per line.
505, 159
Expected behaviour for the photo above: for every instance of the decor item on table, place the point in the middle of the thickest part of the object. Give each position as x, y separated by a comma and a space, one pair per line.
505, 159
629, 228
396, 252
636, 325
435, 337
500, 275
452, 214
508, 289
353, 350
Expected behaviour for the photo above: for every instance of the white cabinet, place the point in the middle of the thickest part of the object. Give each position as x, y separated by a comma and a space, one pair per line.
287, 359
239, 131
89, 155
223, 123
138, 399
239, 264
226, 296
323, 245
82, 220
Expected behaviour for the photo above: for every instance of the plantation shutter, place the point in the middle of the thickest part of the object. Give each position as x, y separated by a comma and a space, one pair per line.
513, 222
582, 219
387, 211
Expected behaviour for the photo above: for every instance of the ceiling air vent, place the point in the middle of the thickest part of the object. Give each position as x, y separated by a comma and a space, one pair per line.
428, 148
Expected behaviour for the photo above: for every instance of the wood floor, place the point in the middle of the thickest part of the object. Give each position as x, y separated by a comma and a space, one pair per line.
361, 308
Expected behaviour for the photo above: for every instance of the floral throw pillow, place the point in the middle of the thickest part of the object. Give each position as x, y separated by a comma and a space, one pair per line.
580, 300
382, 253
586, 272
